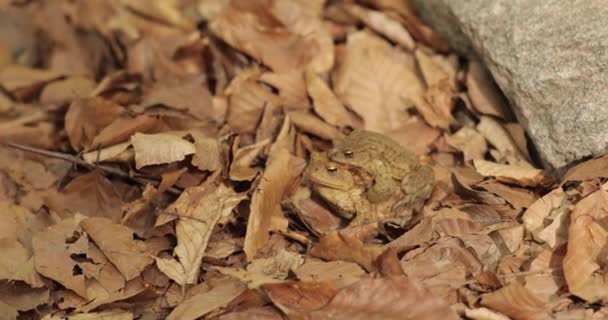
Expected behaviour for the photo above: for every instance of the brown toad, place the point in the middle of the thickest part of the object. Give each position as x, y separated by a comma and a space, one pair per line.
344, 187
388, 162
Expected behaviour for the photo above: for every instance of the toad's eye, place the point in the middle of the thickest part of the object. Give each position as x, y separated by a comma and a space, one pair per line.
332, 169
348, 153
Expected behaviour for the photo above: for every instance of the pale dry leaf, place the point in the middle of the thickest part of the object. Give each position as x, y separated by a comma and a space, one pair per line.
240, 168
22, 296
121, 129
394, 297
339, 273
86, 118
484, 314
298, 298
485, 96
517, 302
262, 37
22, 80
587, 238
291, 87
115, 153
116, 241
159, 148
325, 102
52, 257
198, 212
436, 105
192, 97
433, 74
496, 135
303, 18
265, 201
307, 122
205, 302
97, 295
534, 217
209, 154
472, 144
278, 266
377, 81
521, 175
587, 170
383, 24
338, 246
253, 280
67, 90
518, 197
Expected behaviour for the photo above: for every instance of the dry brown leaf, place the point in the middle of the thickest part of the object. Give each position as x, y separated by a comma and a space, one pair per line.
22, 81
307, 122
67, 90
339, 273
210, 153
338, 246
52, 255
87, 117
265, 201
436, 105
496, 135
240, 169
587, 238
278, 266
485, 96
516, 302
394, 297
121, 129
298, 298
90, 194
521, 175
205, 302
261, 36
590, 169
376, 81
325, 102
116, 241
545, 216
518, 197
302, 17
472, 144
291, 86
159, 148
192, 97
416, 134
384, 25
433, 73
198, 211
114, 314
117, 152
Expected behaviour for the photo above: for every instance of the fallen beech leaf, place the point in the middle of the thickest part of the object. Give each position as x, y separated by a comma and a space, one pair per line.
90, 194
121, 129
67, 90
325, 103
472, 144
192, 97
383, 24
550, 207
254, 280
116, 152
296, 298
201, 304
517, 302
22, 81
485, 96
583, 263
159, 148
587, 170
198, 212
338, 246
116, 241
278, 266
52, 256
376, 81
416, 134
309, 123
518, 197
436, 105
240, 169
97, 295
265, 40
265, 201
433, 74
23, 297
339, 273
501, 139
394, 297
87, 117
524, 176
291, 86
210, 153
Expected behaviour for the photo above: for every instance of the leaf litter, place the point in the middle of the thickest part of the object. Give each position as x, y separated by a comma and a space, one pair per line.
153, 167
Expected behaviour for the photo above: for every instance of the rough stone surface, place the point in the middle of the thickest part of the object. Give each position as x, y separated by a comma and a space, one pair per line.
550, 58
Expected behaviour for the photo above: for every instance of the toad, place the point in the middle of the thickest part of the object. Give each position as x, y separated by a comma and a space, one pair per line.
391, 166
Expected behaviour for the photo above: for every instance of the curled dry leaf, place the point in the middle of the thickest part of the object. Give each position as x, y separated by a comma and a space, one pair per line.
325, 102
588, 170
587, 238
339, 273
23, 82
433, 73
472, 144
265, 201
394, 297
517, 197
87, 117
159, 148
376, 81
198, 212
261, 36
309, 123
298, 298
485, 96
116, 241
117, 152
500, 138
205, 302
291, 86
339, 246
545, 217
517, 302
436, 105
521, 175
383, 24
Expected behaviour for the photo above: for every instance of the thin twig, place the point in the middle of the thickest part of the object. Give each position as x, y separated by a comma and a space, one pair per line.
73, 159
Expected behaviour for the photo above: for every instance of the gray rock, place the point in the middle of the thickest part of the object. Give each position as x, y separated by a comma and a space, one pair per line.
549, 57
